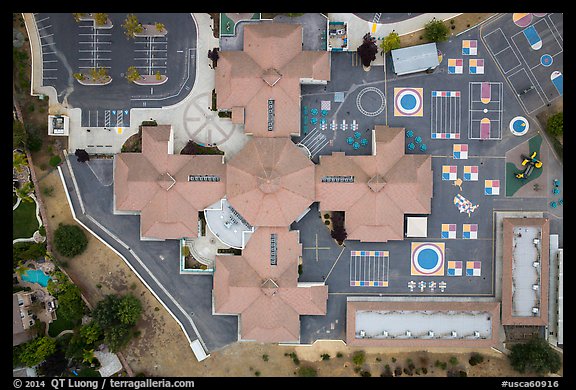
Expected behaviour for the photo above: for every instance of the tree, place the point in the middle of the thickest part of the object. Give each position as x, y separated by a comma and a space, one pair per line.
129, 310
132, 74
70, 240
390, 42
132, 26
19, 135
338, 229
100, 19
99, 73
436, 31
160, 26
54, 365
117, 337
79, 76
555, 124
91, 332
36, 350
70, 303
116, 316
359, 357
367, 50
536, 356
19, 160
475, 358
25, 191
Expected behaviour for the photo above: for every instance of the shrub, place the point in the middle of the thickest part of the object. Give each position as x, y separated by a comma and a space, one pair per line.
359, 357
339, 354
387, 371
555, 124
325, 356
54, 161
436, 31
265, 357
307, 371
453, 360
398, 371
534, 356
365, 374
475, 358
70, 240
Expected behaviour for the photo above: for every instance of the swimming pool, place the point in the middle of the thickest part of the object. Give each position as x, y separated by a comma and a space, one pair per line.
36, 276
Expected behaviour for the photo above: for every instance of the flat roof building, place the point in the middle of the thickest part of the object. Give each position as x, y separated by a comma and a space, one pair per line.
414, 59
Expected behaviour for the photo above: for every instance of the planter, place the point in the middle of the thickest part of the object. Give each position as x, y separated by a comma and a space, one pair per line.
150, 79
90, 81
90, 17
150, 30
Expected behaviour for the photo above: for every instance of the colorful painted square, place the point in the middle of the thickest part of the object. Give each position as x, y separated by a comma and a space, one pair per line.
448, 230
476, 66
454, 268
469, 47
408, 102
460, 151
491, 187
470, 231
473, 268
470, 172
449, 172
427, 258
455, 66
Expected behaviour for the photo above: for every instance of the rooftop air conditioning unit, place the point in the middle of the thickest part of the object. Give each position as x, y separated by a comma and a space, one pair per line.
535, 287
535, 310
385, 333
536, 264
536, 241
362, 333
408, 333
431, 333
454, 334
476, 334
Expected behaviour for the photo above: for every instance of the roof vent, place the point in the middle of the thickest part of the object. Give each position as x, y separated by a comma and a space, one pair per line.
454, 334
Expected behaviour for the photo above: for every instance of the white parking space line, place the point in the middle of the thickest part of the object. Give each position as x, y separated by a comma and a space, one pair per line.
42, 28
49, 60
41, 20
46, 36
50, 78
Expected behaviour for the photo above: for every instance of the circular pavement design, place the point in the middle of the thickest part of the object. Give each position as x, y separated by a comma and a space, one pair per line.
546, 60
408, 102
519, 125
427, 259
382, 101
522, 19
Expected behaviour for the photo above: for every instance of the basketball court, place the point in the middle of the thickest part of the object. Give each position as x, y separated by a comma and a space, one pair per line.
486, 107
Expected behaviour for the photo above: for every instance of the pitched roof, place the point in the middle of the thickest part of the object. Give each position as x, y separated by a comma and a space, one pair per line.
269, 68
270, 182
386, 185
266, 296
156, 183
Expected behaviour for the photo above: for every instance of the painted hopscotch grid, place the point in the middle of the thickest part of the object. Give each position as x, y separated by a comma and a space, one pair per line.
470, 231
460, 151
454, 268
470, 172
455, 66
445, 115
369, 268
473, 268
449, 172
469, 47
476, 66
486, 109
448, 231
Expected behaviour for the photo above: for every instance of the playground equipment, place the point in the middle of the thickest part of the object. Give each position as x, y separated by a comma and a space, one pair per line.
530, 163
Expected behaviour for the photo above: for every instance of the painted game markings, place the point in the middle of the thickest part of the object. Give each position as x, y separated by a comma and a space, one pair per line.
492, 187
408, 102
381, 105
464, 205
470, 172
445, 115
314, 141
499, 45
546, 60
469, 47
470, 231
369, 268
522, 19
476, 66
519, 125
486, 109
449, 172
454, 268
427, 258
448, 231
460, 151
533, 38
473, 268
455, 66
558, 81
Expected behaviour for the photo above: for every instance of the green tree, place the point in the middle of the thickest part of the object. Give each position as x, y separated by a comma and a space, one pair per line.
100, 19
36, 350
19, 160
555, 124
70, 303
390, 42
99, 74
436, 31
129, 310
117, 337
359, 357
77, 16
79, 76
116, 316
536, 356
25, 190
91, 332
70, 240
132, 74
19, 135
160, 26
367, 50
132, 26
88, 356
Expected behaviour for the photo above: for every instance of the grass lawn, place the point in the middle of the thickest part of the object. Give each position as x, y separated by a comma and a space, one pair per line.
62, 323
24, 222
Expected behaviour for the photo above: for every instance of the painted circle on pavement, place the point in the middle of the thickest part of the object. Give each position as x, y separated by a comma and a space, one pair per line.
546, 60
381, 104
519, 125
522, 19
427, 259
539, 14
408, 102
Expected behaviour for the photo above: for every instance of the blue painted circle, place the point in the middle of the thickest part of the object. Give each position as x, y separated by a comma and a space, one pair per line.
427, 258
546, 60
519, 125
408, 102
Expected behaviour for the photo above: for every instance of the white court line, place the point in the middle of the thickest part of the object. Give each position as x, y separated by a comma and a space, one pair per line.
520, 100
554, 25
535, 78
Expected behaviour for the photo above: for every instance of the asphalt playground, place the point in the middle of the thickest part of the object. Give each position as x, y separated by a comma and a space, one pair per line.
446, 114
